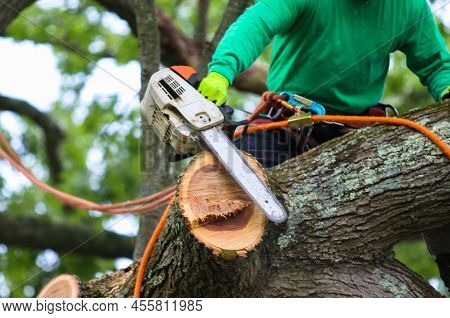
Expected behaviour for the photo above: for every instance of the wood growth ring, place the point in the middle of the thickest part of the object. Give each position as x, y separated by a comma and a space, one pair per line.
219, 213
62, 286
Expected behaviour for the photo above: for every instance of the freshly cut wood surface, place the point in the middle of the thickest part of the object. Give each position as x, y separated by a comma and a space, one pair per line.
62, 286
219, 212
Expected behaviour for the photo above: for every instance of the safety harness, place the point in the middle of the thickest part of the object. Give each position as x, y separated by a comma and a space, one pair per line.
298, 117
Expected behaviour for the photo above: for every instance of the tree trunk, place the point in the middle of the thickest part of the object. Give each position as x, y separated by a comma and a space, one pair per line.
348, 201
158, 174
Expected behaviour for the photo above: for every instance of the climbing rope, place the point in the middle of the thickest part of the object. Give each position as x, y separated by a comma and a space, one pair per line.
141, 205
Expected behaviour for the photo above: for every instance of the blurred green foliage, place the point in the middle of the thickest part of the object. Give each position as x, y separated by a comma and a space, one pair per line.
414, 252
80, 35
415, 255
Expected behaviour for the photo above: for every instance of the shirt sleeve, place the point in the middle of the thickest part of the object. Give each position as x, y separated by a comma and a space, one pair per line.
249, 35
426, 51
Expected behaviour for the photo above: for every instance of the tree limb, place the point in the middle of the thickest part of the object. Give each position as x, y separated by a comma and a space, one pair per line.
360, 194
149, 49
52, 132
348, 202
149, 40
39, 233
176, 47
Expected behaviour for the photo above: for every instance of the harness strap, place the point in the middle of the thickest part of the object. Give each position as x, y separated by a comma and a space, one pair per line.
270, 99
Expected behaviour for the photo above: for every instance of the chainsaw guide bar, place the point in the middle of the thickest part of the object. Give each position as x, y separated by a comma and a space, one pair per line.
188, 122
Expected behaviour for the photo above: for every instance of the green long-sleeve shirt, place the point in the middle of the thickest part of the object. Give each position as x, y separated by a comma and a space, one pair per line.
336, 51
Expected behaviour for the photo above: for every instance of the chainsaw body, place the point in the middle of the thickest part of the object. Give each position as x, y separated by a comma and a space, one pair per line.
176, 111
184, 119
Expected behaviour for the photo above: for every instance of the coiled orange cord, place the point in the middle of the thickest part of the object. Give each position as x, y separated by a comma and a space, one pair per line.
391, 121
149, 249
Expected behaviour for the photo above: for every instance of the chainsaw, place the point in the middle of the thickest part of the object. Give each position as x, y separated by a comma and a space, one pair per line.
182, 118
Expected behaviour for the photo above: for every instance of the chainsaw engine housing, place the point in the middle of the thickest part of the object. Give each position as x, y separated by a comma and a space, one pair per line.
177, 112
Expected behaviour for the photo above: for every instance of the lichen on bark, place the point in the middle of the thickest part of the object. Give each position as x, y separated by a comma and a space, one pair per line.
348, 201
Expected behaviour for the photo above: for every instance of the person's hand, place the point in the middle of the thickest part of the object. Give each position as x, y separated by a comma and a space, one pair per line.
214, 88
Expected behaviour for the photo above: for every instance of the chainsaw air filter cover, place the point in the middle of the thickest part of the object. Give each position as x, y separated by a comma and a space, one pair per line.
177, 112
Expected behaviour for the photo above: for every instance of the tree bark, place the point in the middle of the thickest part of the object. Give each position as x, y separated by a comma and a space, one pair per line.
348, 202
38, 233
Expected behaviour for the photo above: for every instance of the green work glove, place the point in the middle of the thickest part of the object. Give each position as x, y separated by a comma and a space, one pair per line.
214, 87
446, 94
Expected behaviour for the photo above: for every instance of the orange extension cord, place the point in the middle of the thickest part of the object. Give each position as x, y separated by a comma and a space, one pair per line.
149, 249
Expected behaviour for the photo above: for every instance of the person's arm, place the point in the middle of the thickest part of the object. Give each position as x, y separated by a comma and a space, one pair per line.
427, 54
249, 35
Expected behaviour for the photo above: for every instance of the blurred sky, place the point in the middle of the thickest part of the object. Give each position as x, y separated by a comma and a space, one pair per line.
29, 72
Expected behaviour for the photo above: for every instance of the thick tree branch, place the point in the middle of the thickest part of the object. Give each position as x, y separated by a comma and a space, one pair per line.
348, 202
159, 176
360, 194
149, 40
176, 47
149, 49
52, 132
38, 233
386, 278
